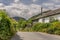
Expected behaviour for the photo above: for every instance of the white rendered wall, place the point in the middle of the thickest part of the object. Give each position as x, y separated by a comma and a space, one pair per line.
56, 17
47, 20
40, 20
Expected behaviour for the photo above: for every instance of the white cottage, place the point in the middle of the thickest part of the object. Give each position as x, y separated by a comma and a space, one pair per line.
47, 16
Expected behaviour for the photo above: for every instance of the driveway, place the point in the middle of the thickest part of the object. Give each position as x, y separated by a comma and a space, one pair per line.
34, 36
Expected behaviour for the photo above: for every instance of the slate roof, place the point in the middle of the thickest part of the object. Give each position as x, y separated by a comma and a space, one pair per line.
47, 14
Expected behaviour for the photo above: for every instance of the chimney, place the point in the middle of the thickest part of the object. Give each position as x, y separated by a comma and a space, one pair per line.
41, 10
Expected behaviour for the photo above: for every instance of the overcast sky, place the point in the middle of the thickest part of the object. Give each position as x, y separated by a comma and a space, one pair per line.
28, 8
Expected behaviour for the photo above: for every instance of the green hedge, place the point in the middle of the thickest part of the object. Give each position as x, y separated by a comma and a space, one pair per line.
40, 27
52, 28
7, 29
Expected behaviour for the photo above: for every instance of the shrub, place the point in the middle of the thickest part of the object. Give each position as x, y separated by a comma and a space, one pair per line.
40, 27
22, 24
6, 28
36, 27
54, 28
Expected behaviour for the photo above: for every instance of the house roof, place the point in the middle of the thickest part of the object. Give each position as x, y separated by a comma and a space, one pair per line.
46, 14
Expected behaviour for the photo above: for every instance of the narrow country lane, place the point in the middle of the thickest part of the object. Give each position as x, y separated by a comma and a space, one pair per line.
34, 36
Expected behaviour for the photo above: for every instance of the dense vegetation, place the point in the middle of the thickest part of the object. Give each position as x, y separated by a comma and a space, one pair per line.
53, 27
7, 29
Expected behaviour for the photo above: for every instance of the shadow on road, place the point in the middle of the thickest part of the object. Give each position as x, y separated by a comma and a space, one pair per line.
16, 37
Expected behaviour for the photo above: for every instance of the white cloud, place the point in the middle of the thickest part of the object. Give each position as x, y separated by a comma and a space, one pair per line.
48, 4
56, 1
16, 0
35, 0
45, 9
57, 6
27, 11
2, 6
23, 10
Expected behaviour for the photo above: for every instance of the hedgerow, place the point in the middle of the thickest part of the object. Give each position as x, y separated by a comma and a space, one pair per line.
7, 29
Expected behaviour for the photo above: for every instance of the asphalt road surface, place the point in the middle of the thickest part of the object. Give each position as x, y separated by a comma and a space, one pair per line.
34, 36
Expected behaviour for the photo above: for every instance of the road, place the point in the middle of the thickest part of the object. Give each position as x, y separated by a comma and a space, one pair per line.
34, 36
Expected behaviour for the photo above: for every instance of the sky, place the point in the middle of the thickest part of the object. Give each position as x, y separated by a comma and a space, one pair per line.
28, 8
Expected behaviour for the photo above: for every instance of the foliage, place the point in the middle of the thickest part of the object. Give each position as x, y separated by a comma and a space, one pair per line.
54, 20
52, 27
22, 24
29, 23
40, 26
6, 26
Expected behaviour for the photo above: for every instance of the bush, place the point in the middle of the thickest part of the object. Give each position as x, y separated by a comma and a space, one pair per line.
40, 27
36, 27
6, 28
54, 28
22, 24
